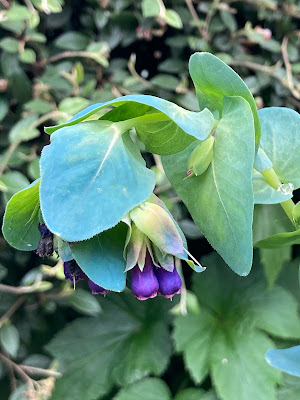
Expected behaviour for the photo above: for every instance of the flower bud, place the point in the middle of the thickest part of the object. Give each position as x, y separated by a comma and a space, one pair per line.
45, 245
96, 289
201, 157
72, 271
169, 282
144, 284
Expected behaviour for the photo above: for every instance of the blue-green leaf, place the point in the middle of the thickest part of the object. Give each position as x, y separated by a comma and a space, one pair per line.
264, 193
214, 80
91, 177
101, 258
182, 127
280, 140
221, 200
287, 360
20, 224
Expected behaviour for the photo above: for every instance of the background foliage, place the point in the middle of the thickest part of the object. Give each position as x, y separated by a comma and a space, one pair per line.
57, 58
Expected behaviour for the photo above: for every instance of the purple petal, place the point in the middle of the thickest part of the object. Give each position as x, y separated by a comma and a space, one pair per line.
73, 272
96, 289
144, 284
45, 245
169, 282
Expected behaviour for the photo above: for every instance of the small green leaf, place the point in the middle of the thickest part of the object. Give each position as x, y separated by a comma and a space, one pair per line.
280, 240
296, 214
72, 41
24, 130
20, 223
84, 302
14, 181
221, 200
172, 18
10, 338
150, 8
28, 56
72, 105
213, 80
146, 389
10, 45
165, 81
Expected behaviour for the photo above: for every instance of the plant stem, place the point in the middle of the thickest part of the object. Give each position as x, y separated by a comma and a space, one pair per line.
272, 178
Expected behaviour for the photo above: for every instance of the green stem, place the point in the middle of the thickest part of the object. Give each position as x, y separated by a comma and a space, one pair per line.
272, 178
148, 118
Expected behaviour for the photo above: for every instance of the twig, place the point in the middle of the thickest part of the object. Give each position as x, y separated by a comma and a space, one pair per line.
288, 68
12, 310
18, 370
21, 289
40, 371
194, 14
131, 67
5, 3
158, 162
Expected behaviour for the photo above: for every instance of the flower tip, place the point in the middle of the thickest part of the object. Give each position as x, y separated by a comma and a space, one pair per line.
96, 289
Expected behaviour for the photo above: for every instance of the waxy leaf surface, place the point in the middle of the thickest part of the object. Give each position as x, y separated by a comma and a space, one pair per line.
91, 177
221, 200
214, 80
20, 223
287, 360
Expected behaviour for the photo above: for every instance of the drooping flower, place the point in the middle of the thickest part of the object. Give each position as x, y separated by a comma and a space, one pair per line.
144, 284
45, 245
73, 272
96, 289
169, 282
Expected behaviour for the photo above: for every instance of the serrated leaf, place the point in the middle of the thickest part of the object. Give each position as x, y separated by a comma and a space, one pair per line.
20, 223
280, 140
226, 337
84, 302
95, 176
213, 80
225, 187
97, 353
146, 389
287, 360
194, 124
10, 338
101, 258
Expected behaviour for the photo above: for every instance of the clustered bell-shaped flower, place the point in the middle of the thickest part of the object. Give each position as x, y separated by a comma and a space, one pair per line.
153, 242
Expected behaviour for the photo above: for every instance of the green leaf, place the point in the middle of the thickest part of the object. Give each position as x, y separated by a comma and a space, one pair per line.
165, 81
172, 18
20, 223
10, 45
273, 261
280, 140
164, 135
287, 360
84, 302
296, 214
150, 8
226, 336
72, 41
3, 108
95, 176
72, 105
98, 352
24, 130
290, 389
213, 80
10, 338
13, 181
101, 258
28, 56
221, 200
146, 389
280, 240
195, 394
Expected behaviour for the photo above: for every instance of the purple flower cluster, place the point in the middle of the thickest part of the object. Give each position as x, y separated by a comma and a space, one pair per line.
45, 245
153, 280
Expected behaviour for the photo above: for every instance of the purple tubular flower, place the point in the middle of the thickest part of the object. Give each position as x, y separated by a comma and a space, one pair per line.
144, 284
72, 271
169, 282
96, 289
45, 245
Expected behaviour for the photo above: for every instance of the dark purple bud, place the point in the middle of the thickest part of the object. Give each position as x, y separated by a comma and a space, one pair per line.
169, 282
96, 289
72, 271
144, 284
45, 245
